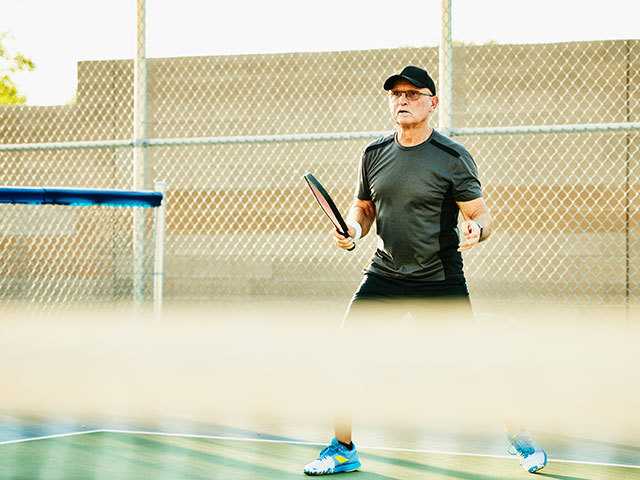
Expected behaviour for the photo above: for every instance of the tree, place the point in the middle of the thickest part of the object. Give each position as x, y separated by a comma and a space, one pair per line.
11, 63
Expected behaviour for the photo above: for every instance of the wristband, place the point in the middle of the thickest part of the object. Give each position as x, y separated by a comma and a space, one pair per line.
356, 226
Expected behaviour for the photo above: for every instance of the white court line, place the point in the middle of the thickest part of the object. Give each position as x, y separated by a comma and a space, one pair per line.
363, 447
46, 437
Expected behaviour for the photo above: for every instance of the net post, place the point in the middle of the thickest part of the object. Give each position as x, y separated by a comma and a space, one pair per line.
158, 259
445, 70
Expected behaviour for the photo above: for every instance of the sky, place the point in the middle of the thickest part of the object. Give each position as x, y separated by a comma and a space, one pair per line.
58, 34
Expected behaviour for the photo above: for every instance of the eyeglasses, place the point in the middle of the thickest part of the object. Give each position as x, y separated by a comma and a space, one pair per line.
411, 95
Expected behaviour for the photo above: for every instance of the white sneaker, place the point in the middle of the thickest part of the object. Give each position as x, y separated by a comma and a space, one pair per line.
532, 457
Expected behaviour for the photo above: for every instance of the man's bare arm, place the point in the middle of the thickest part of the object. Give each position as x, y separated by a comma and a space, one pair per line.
364, 213
476, 214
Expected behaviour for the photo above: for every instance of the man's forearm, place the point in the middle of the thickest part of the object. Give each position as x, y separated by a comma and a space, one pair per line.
364, 214
484, 220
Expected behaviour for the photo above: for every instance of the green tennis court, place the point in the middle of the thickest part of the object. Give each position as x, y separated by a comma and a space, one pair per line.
132, 455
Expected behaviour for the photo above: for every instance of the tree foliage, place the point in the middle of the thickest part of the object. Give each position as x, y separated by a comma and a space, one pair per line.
10, 64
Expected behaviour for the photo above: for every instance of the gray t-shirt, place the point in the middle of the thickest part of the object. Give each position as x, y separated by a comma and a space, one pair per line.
415, 190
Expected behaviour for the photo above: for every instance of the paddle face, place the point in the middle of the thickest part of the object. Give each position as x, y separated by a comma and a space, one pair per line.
326, 203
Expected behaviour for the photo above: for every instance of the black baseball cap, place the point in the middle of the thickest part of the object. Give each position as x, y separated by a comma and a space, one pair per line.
416, 75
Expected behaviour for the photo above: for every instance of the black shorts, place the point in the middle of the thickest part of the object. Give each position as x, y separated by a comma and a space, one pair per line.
382, 298
374, 286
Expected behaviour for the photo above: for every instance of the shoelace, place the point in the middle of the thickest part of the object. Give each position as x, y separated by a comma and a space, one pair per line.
329, 450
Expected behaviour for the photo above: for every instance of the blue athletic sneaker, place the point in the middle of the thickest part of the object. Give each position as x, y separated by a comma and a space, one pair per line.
334, 458
532, 457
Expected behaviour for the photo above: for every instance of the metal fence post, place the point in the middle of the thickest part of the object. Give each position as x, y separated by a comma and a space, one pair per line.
445, 71
139, 154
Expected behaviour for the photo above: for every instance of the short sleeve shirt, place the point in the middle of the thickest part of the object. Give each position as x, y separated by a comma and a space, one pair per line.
415, 190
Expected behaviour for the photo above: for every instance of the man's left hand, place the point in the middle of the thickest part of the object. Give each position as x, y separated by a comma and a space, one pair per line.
470, 235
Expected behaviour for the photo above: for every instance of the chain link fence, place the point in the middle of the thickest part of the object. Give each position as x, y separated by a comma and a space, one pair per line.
564, 83
279, 94
102, 110
562, 206
233, 135
60, 256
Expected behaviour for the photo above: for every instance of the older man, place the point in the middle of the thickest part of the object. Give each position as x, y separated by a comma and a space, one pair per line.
413, 183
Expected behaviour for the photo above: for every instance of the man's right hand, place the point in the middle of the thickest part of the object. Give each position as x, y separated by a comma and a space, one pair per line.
343, 242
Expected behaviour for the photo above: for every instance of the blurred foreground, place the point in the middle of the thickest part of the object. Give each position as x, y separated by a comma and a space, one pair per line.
560, 370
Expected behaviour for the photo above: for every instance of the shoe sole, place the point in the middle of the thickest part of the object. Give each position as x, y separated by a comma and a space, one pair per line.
539, 466
345, 468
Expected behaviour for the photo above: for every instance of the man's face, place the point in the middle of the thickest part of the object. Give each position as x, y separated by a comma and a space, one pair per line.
407, 112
